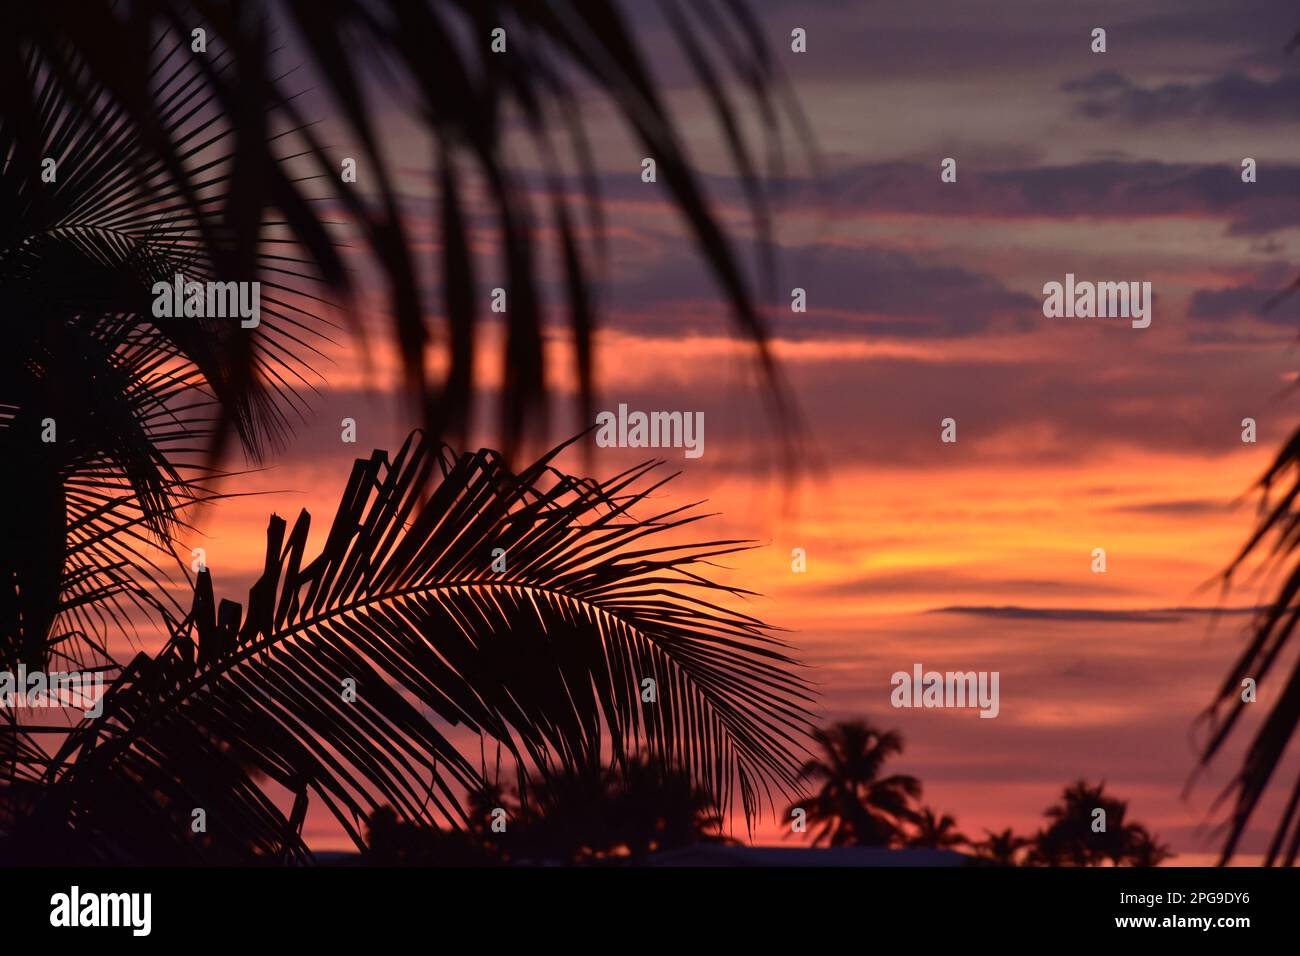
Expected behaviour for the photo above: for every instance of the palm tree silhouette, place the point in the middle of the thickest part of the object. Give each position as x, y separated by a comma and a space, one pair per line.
616, 813
150, 136
392, 841
935, 832
440, 54
1074, 834
1003, 849
109, 413
855, 805
337, 682
658, 808
1143, 849
150, 139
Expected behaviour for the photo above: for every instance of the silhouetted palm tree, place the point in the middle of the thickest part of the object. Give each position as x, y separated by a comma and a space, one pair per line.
935, 832
150, 135
656, 808
481, 807
1004, 848
391, 841
1143, 849
109, 413
1075, 835
618, 813
150, 138
855, 805
337, 682
478, 104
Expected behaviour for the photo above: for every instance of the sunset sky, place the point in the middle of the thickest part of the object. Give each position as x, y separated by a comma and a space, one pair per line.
925, 302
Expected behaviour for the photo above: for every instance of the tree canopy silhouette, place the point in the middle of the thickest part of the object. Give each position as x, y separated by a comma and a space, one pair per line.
855, 805
935, 832
1004, 848
611, 814
1074, 835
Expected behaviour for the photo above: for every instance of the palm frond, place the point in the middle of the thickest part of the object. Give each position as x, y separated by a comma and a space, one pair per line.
547, 657
1275, 539
139, 402
439, 55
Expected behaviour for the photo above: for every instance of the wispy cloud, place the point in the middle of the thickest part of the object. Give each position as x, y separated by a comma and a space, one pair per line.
1234, 97
1153, 616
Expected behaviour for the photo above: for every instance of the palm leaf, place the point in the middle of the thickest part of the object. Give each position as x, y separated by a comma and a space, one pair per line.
1275, 539
361, 51
546, 657
139, 401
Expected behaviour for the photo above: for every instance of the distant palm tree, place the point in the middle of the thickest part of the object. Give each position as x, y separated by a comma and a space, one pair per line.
392, 841
1074, 837
935, 832
1143, 849
481, 806
657, 808
1002, 848
855, 805
613, 813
